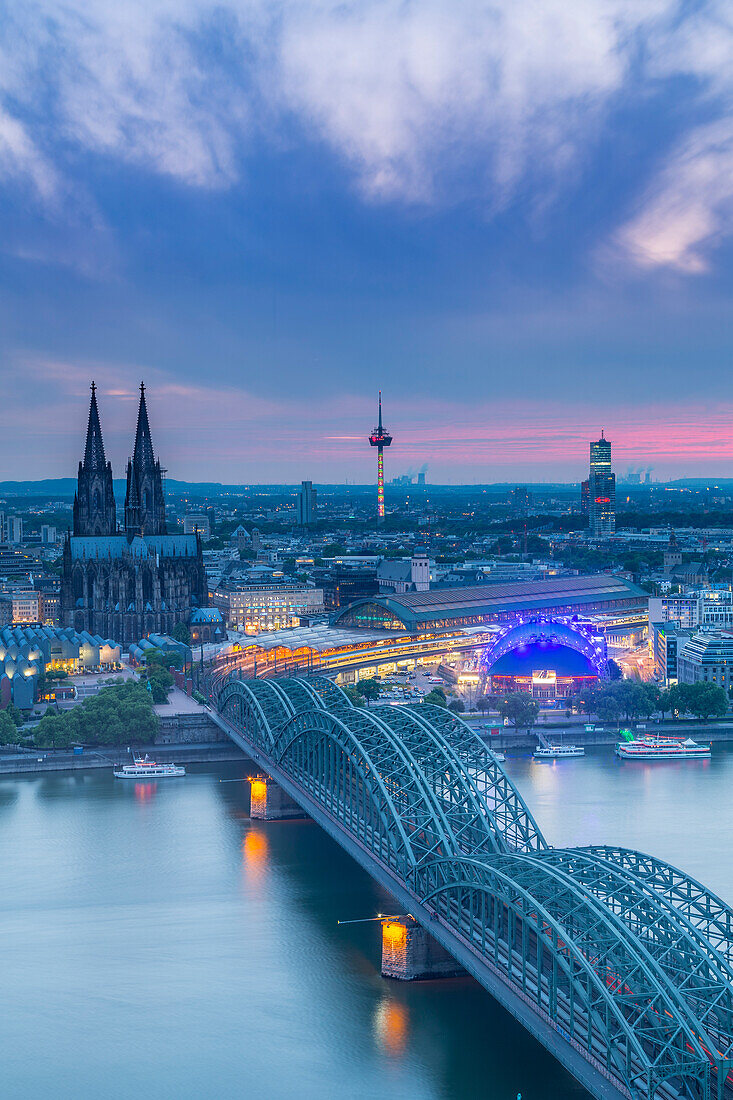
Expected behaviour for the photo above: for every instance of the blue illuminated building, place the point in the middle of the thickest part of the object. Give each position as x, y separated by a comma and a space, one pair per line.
551, 658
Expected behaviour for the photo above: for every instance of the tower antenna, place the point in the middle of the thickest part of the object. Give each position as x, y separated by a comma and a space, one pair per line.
380, 438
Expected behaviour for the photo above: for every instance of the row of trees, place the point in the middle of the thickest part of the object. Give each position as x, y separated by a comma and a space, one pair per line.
117, 715
632, 699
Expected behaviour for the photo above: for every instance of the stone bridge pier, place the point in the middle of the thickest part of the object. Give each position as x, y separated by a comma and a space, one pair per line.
410, 953
268, 802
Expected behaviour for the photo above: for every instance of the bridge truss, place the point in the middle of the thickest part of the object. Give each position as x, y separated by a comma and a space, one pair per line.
620, 964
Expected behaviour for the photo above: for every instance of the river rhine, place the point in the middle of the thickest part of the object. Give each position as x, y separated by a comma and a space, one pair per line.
156, 943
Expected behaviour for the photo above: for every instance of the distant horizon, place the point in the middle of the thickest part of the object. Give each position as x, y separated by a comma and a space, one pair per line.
172, 484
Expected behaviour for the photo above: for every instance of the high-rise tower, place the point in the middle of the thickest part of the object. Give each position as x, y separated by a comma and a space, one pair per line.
601, 490
144, 499
94, 502
380, 438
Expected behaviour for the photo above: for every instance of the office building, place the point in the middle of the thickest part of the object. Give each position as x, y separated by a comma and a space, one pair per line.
709, 609
601, 490
26, 606
267, 606
665, 643
305, 507
197, 524
707, 657
14, 526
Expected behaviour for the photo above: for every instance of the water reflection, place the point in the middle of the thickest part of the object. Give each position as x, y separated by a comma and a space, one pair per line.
255, 849
145, 792
392, 1026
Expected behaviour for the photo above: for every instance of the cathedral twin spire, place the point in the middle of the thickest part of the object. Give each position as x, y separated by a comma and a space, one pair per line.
144, 499
94, 504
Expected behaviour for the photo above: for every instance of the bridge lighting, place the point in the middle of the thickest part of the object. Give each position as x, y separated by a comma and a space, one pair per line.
258, 797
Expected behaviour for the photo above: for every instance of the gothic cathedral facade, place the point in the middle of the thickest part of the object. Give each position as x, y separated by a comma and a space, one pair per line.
130, 581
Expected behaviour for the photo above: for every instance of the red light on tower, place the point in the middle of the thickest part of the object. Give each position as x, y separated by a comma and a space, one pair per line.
380, 438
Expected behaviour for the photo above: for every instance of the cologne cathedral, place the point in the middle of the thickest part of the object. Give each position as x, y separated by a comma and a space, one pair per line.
129, 581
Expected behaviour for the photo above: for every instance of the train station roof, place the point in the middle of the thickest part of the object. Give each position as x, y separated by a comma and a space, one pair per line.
441, 608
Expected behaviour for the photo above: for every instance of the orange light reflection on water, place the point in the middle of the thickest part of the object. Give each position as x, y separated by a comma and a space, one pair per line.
392, 1027
145, 792
255, 851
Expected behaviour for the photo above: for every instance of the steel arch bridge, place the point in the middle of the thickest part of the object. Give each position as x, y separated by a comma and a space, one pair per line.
620, 964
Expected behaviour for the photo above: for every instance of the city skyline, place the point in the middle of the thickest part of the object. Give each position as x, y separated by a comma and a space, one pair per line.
516, 224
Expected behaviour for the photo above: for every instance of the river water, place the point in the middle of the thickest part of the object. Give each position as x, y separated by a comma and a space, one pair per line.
154, 942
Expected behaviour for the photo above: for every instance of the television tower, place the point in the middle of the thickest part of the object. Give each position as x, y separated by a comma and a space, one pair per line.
380, 438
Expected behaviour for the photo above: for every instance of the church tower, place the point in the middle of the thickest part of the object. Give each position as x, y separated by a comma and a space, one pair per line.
144, 500
94, 502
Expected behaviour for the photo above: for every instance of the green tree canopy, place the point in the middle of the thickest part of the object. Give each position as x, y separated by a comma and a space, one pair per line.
355, 697
369, 688
181, 633
8, 729
114, 716
520, 708
435, 698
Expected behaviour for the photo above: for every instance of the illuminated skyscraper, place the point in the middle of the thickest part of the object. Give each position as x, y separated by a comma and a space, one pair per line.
380, 438
602, 490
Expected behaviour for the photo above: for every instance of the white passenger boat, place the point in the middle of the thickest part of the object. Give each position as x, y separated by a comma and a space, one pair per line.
558, 752
662, 748
143, 767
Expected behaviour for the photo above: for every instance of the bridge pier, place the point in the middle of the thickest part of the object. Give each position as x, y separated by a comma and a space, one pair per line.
410, 953
268, 802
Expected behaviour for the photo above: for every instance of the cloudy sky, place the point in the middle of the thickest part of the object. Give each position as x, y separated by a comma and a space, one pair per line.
515, 218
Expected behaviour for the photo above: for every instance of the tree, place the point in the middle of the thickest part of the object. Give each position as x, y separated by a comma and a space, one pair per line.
369, 688
679, 698
614, 670
435, 698
8, 729
521, 710
354, 696
457, 706
708, 701
16, 714
158, 677
181, 633
114, 716
486, 702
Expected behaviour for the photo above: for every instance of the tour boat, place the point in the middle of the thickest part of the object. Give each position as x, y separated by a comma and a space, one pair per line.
145, 768
558, 752
662, 748
498, 755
